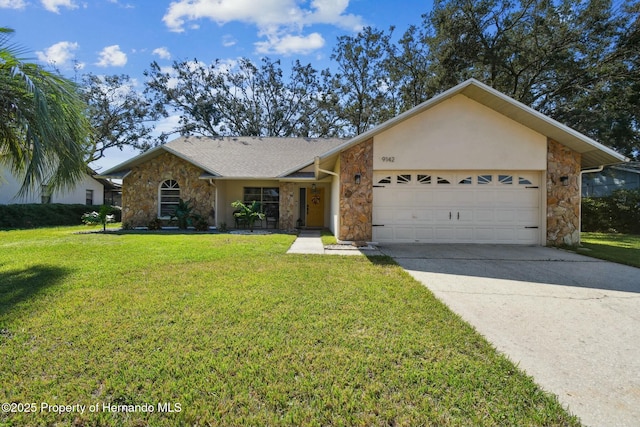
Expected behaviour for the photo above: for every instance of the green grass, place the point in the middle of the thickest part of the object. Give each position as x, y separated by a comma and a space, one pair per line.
238, 333
328, 238
621, 248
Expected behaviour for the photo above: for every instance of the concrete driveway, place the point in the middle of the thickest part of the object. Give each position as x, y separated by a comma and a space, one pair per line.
570, 321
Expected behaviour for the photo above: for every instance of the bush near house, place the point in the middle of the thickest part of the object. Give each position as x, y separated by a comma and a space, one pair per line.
45, 215
619, 212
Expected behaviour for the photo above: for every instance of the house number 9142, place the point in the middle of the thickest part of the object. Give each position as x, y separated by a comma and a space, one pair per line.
388, 159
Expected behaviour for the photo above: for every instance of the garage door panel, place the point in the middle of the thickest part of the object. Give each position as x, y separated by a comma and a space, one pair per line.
464, 197
404, 233
506, 215
444, 234
464, 234
383, 215
403, 216
463, 215
528, 216
423, 196
424, 215
526, 235
383, 234
440, 197
474, 207
484, 234
484, 215
404, 197
524, 197
424, 234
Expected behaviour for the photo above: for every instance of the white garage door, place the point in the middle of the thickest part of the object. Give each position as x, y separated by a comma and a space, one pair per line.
456, 207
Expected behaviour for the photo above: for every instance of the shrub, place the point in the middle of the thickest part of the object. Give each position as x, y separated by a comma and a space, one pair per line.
247, 214
183, 215
619, 212
102, 217
44, 215
155, 224
200, 223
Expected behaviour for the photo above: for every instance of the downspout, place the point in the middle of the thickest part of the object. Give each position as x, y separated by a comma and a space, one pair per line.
215, 205
316, 165
598, 169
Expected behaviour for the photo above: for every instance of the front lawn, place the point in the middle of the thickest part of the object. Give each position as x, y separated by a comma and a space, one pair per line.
167, 330
621, 248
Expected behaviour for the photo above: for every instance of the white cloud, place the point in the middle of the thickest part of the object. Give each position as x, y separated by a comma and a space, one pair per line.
228, 40
122, 5
55, 5
162, 52
60, 54
277, 20
112, 56
289, 44
12, 4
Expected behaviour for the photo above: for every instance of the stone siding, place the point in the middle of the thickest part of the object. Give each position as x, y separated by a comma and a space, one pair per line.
356, 200
140, 189
563, 201
287, 206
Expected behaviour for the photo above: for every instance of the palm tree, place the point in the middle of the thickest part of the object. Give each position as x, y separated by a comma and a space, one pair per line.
43, 129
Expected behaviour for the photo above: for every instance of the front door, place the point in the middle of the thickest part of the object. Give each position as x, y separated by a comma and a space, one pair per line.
315, 207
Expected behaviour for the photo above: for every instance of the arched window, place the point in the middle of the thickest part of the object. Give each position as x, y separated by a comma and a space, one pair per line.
169, 198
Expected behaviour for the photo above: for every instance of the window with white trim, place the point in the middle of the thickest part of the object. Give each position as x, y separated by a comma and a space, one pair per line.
268, 197
485, 179
403, 179
505, 179
524, 181
424, 179
169, 198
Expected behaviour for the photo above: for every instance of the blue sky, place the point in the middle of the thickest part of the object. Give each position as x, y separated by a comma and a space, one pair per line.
125, 36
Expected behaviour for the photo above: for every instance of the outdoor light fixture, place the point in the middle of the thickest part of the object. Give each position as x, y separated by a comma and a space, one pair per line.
564, 180
357, 178
313, 188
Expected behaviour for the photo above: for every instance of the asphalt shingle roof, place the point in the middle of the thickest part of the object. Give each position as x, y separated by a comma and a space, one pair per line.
241, 157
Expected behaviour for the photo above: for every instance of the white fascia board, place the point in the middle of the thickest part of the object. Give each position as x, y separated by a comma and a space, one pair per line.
127, 164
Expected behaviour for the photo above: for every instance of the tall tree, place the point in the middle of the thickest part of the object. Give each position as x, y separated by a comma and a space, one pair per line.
120, 116
409, 67
362, 82
243, 98
562, 57
43, 129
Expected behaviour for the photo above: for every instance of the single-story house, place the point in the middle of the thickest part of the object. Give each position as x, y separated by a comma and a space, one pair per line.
470, 165
625, 176
88, 190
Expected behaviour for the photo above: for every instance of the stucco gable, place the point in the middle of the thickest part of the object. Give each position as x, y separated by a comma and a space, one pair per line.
459, 133
592, 153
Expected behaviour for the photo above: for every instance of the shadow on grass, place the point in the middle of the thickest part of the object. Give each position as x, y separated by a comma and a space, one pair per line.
21, 285
381, 260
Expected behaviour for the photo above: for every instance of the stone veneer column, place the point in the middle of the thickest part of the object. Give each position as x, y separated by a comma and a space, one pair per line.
356, 200
287, 206
140, 189
563, 201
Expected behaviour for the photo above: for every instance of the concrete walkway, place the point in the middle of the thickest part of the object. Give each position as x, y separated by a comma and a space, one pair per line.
310, 242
